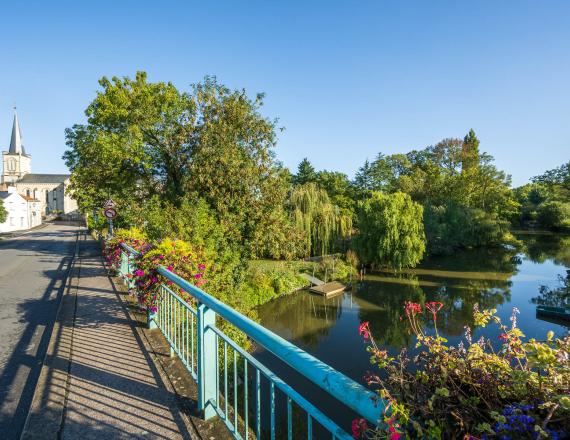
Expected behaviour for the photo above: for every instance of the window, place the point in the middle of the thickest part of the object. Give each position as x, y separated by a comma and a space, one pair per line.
21, 221
12, 221
11, 164
28, 192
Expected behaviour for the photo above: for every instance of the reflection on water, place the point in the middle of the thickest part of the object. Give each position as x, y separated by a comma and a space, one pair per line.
493, 278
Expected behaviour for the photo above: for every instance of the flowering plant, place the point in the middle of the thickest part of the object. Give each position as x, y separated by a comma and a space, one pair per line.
511, 389
112, 248
178, 257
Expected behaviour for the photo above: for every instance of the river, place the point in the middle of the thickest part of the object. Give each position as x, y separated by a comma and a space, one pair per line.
500, 278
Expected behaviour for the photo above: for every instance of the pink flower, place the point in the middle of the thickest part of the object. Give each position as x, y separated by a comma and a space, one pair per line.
201, 267
198, 276
139, 273
170, 268
364, 330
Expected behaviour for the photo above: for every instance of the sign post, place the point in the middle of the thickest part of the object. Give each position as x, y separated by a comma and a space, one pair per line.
110, 214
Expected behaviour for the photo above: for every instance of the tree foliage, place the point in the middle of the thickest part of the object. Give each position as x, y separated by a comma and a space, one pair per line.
145, 139
3, 212
391, 231
458, 185
305, 173
321, 221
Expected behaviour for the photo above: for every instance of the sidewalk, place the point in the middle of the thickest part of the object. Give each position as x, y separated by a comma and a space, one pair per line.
98, 380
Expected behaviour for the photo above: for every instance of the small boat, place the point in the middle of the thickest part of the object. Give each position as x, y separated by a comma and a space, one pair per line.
554, 312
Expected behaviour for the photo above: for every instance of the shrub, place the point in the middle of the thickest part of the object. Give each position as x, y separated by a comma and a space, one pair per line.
517, 390
554, 215
176, 256
450, 227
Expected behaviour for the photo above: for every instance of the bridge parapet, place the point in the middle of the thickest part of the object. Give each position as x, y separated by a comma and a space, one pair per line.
226, 373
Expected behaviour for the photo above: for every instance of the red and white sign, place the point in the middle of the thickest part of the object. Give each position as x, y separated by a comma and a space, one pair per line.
109, 204
110, 213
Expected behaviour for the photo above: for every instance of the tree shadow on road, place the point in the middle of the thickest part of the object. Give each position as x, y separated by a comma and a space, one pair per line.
21, 371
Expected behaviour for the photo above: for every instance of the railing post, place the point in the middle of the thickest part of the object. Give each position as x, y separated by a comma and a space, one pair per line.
122, 267
207, 399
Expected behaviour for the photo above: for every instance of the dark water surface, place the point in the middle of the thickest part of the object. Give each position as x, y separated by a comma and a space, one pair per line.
494, 278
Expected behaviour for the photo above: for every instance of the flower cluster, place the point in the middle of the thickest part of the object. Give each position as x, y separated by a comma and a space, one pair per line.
177, 257
112, 250
479, 389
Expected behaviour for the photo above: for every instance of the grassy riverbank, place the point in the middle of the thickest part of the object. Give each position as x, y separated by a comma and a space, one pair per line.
270, 279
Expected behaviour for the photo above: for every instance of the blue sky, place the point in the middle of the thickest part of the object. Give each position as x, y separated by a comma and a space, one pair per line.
347, 80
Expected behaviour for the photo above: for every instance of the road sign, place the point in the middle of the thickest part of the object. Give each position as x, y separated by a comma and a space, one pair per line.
110, 213
109, 204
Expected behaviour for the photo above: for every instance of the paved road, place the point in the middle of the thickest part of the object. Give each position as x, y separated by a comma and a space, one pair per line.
33, 268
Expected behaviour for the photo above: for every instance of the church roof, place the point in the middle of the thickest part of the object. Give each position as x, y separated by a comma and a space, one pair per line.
44, 178
16, 145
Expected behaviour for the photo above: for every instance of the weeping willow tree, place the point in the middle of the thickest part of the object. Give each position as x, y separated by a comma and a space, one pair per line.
321, 221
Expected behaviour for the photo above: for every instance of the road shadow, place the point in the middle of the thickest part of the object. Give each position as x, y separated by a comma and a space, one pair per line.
21, 371
111, 388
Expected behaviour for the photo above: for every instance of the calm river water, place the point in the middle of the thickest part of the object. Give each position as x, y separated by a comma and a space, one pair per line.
493, 278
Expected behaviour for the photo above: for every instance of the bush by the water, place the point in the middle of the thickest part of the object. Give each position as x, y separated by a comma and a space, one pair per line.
478, 389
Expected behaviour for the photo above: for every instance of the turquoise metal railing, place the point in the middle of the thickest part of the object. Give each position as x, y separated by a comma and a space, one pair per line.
230, 379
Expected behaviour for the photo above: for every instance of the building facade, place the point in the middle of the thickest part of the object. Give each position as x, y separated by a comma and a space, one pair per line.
50, 190
22, 212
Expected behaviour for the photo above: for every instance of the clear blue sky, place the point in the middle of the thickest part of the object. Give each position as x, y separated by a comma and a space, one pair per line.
346, 79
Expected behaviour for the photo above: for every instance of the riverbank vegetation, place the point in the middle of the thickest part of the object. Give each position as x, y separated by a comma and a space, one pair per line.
199, 166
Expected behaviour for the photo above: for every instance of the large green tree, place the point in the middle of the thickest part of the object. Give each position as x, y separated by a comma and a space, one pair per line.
390, 231
459, 187
145, 139
305, 173
322, 222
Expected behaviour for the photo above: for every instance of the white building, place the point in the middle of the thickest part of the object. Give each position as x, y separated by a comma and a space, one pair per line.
23, 212
49, 189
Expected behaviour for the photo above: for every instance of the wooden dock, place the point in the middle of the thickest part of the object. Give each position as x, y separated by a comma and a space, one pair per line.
328, 289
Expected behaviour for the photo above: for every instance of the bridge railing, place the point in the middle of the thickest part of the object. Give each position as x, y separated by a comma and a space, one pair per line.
235, 386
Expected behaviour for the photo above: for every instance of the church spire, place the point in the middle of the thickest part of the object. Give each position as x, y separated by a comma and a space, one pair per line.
16, 146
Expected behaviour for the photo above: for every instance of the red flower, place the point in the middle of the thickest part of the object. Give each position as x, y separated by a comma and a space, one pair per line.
434, 306
359, 427
364, 330
503, 337
412, 308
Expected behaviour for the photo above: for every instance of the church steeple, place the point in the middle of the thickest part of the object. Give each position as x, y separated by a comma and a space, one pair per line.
16, 146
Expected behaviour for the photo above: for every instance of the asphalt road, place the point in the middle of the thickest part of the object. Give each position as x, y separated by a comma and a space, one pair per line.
33, 270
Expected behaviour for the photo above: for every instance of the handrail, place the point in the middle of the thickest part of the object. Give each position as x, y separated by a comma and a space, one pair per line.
360, 399
355, 396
